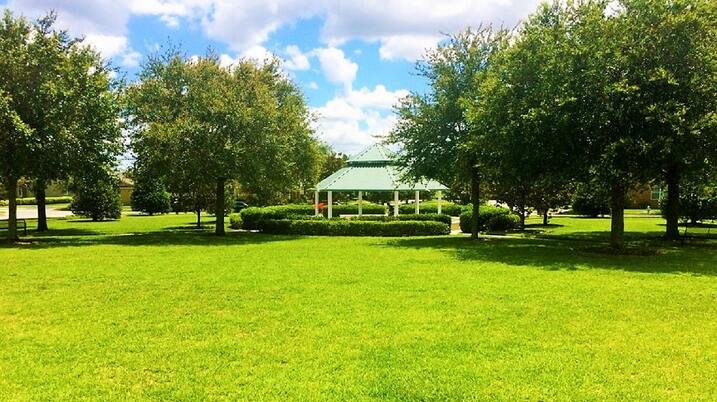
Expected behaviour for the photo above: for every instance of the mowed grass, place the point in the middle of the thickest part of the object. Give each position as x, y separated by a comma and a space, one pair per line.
145, 308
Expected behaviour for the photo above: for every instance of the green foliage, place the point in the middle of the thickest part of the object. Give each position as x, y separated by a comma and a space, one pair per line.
150, 196
697, 204
352, 227
408, 217
502, 222
431, 207
352, 209
590, 199
235, 221
486, 213
253, 216
97, 198
33, 201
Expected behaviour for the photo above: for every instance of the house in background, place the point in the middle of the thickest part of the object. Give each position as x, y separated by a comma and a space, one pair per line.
645, 195
125, 189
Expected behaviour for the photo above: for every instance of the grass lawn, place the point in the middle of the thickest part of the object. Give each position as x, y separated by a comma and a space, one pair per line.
145, 308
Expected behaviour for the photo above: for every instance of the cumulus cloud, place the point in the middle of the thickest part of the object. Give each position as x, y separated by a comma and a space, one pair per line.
296, 60
357, 118
336, 67
403, 28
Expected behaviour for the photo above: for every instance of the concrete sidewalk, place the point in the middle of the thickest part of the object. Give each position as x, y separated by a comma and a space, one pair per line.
30, 212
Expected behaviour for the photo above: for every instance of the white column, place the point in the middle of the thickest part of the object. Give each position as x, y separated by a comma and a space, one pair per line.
331, 210
360, 201
440, 193
417, 201
395, 203
316, 203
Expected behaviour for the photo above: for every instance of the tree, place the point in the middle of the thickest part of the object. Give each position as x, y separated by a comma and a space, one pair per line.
432, 130
247, 124
670, 47
150, 196
97, 195
15, 151
64, 94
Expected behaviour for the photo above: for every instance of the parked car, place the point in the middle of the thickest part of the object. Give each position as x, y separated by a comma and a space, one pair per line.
239, 205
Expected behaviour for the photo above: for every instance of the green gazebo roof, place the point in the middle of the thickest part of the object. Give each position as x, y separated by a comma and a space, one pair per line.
373, 169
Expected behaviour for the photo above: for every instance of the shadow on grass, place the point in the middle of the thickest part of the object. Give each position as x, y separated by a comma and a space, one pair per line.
176, 236
556, 253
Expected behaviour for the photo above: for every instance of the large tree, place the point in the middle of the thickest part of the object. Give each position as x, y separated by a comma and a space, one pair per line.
64, 93
200, 124
670, 48
432, 130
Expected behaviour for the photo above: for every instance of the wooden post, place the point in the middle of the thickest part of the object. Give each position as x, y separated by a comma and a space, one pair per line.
316, 203
360, 201
438, 209
418, 201
331, 210
395, 203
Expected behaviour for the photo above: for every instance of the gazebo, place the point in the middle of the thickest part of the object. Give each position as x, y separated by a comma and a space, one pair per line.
373, 169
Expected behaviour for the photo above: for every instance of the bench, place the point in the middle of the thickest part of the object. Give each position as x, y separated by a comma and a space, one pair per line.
21, 223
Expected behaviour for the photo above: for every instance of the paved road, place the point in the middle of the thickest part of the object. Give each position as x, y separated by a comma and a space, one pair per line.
30, 212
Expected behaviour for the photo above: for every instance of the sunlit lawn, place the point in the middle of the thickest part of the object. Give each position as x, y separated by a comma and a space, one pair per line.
145, 308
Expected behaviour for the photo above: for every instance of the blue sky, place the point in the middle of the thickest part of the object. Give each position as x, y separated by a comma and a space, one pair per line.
353, 59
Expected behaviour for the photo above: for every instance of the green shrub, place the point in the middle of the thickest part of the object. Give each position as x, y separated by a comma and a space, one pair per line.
502, 222
409, 217
352, 209
486, 212
351, 227
235, 221
252, 216
431, 207
150, 196
98, 201
590, 200
33, 201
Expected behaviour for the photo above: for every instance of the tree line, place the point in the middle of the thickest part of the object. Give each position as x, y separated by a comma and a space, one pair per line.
196, 129
592, 93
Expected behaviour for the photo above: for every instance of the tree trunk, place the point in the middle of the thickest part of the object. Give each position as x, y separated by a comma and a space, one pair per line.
219, 208
40, 187
11, 187
672, 207
199, 218
545, 217
617, 215
522, 211
475, 199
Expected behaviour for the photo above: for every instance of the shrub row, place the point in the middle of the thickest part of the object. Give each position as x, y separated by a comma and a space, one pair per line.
235, 221
352, 227
431, 207
486, 213
408, 217
253, 215
32, 201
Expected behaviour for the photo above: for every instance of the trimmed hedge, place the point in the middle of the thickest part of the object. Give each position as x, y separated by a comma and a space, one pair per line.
502, 223
486, 213
33, 201
409, 217
352, 209
352, 227
235, 221
431, 207
253, 215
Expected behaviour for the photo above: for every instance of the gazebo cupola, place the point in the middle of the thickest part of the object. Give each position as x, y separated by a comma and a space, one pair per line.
373, 169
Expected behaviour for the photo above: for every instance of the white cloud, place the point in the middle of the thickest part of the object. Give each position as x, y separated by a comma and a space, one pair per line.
356, 119
111, 46
403, 28
296, 60
313, 85
336, 67
257, 53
